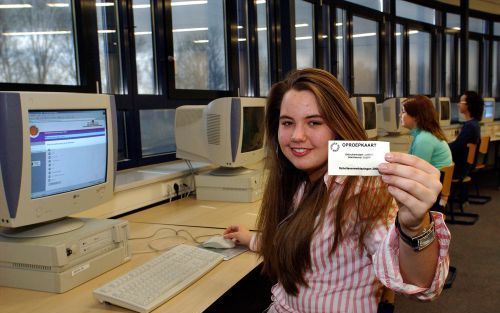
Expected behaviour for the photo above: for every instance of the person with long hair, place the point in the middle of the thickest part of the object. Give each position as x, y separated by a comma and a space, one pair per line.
429, 141
331, 242
471, 106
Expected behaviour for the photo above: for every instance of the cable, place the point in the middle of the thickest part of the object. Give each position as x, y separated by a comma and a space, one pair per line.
176, 234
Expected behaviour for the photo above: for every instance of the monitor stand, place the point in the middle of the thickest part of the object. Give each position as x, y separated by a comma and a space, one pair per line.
230, 171
51, 228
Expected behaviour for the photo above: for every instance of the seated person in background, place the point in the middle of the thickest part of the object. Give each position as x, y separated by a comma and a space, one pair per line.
332, 242
429, 142
471, 105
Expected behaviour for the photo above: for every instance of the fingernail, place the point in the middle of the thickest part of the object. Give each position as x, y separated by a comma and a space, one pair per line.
383, 166
385, 178
389, 156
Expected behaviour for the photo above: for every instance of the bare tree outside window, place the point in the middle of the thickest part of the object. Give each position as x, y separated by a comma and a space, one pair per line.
37, 43
200, 46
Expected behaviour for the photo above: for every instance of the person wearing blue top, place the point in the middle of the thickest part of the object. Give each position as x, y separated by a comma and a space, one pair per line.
429, 142
471, 105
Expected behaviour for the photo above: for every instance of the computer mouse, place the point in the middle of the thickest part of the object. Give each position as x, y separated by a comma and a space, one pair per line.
218, 242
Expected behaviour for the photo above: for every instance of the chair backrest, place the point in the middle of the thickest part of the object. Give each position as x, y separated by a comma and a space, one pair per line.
447, 176
472, 153
483, 151
483, 146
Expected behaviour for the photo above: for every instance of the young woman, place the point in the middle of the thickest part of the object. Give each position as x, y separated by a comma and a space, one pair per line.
471, 105
331, 242
429, 142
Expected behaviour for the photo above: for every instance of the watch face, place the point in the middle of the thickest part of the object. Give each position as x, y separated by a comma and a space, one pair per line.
426, 239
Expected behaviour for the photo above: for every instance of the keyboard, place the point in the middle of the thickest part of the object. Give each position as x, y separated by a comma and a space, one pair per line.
153, 283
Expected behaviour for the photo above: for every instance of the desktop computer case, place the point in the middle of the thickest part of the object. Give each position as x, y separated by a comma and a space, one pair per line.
240, 188
61, 262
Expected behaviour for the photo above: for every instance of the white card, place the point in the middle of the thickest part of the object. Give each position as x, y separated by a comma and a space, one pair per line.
356, 158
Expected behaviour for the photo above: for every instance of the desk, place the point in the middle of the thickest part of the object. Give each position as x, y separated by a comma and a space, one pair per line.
196, 298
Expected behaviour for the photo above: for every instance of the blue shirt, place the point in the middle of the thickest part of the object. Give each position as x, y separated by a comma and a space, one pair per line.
470, 133
429, 148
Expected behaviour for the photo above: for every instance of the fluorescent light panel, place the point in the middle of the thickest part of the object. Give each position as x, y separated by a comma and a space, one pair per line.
15, 6
106, 31
182, 30
54, 32
141, 6
104, 4
58, 5
179, 3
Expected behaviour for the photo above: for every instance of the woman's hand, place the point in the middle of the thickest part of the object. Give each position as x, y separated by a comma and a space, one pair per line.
415, 185
239, 234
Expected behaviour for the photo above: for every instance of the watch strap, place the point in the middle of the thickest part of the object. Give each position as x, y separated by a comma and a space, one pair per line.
420, 241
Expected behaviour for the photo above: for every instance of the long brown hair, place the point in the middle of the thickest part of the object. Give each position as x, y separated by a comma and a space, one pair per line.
422, 110
287, 228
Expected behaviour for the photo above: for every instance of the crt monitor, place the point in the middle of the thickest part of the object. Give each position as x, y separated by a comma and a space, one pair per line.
489, 110
228, 132
57, 157
366, 107
443, 107
391, 116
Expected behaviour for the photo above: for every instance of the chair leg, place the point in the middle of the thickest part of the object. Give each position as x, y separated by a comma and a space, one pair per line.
477, 198
452, 274
459, 218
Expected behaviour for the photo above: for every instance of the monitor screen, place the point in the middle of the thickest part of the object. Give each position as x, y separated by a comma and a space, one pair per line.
68, 150
253, 129
444, 110
488, 109
370, 115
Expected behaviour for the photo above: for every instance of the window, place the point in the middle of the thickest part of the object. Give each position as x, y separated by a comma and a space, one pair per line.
473, 65
109, 48
477, 25
304, 34
496, 69
199, 36
372, 4
121, 120
341, 41
324, 46
419, 62
262, 38
496, 29
157, 131
453, 21
144, 48
37, 43
399, 31
450, 54
365, 56
415, 12
245, 88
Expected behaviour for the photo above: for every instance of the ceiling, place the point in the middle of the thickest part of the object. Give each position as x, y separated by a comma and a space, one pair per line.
489, 6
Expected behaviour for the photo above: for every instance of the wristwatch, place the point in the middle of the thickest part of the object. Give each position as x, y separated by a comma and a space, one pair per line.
420, 241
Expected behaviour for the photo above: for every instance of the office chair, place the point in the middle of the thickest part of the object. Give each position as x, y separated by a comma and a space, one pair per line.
458, 193
446, 178
480, 165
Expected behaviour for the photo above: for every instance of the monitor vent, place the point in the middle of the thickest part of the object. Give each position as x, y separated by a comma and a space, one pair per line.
213, 129
31, 267
185, 118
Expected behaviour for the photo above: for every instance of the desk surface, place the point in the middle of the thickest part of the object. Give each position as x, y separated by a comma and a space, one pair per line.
195, 298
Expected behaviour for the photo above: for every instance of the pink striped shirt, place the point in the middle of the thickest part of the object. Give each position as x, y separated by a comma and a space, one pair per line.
348, 281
